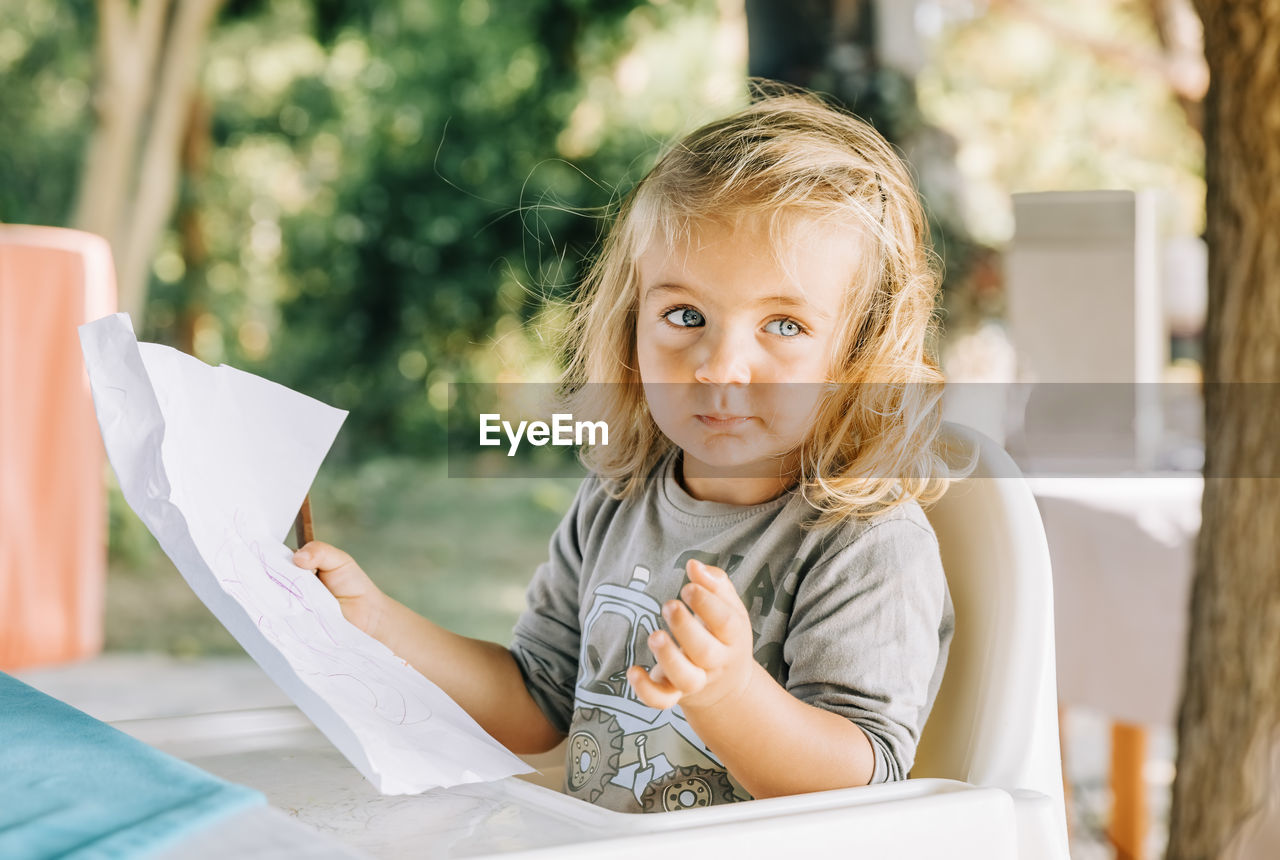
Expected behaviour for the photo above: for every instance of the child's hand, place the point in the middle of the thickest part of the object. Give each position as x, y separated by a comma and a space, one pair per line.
710, 660
361, 601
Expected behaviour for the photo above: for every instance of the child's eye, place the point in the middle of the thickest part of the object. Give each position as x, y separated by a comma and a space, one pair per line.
785, 327
683, 317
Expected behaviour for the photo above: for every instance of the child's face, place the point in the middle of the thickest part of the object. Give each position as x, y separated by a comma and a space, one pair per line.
734, 338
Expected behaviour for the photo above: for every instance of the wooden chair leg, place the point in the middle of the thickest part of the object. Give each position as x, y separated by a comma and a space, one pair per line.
1129, 816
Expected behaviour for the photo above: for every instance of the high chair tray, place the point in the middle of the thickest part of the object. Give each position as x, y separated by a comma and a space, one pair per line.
322, 807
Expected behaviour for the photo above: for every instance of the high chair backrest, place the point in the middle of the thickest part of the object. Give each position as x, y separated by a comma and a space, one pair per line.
995, 721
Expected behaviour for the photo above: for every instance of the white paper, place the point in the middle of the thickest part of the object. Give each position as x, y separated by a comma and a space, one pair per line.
216, 462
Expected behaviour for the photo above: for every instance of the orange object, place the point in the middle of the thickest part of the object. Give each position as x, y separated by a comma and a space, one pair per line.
1130, 820
53, 539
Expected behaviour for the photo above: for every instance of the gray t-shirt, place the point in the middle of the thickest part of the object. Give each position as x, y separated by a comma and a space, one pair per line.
855, 619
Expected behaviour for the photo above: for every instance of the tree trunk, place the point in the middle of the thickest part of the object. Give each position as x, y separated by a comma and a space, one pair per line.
197, 149
1227, 792
148, 62
126, 58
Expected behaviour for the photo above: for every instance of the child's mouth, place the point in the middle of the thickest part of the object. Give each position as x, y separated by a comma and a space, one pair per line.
723, 420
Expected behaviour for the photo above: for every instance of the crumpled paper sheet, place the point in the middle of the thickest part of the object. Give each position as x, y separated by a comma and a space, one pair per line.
216, 463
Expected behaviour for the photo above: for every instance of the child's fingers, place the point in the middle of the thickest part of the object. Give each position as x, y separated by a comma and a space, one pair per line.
696, 641
715, 579
336, 570
716, 616
719, 586
319, 556
679, 671
654, 694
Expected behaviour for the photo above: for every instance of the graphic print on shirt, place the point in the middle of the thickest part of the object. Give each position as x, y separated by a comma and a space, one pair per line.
619, 744
764, 597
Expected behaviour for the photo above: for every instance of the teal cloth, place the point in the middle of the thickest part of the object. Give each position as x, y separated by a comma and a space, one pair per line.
71, 786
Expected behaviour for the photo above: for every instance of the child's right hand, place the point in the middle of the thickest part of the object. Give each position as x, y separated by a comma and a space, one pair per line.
362, 602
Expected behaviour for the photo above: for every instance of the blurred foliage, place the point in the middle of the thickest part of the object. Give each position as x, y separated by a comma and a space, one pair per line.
1033, 112
426, 539
397, 190
394, 190
46, 68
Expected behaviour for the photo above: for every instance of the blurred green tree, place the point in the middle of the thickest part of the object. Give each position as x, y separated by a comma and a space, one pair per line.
394, 197
371, 199
45, 76
451, 207
426, 241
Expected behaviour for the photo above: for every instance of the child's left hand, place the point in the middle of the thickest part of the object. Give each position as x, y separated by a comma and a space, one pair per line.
710, 661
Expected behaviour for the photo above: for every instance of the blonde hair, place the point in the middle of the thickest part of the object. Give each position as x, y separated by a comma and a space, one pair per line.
874, 444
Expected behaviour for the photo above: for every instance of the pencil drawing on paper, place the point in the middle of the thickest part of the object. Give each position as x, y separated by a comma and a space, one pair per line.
289, 605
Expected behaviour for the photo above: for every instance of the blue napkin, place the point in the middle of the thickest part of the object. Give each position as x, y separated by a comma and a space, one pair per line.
71, 786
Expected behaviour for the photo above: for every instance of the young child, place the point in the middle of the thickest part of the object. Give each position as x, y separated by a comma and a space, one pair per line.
745, 598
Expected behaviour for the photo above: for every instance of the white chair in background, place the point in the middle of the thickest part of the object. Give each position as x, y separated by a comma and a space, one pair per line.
1085, 317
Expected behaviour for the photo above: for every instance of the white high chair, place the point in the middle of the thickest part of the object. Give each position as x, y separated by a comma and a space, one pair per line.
995, 721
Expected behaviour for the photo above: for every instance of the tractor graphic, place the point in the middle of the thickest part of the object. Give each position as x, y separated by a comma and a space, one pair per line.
615, 733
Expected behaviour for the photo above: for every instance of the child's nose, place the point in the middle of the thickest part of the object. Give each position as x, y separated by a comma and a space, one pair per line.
726, 361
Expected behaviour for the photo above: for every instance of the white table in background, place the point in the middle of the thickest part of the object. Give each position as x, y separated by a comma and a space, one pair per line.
1123, 552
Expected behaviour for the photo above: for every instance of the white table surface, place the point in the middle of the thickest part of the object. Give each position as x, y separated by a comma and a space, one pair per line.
1122, 550
321, 807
